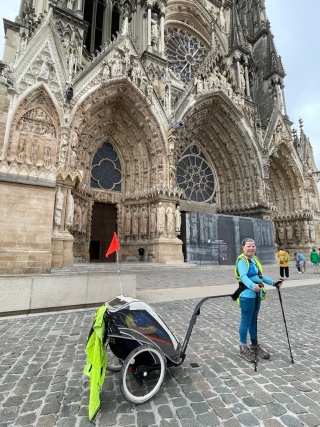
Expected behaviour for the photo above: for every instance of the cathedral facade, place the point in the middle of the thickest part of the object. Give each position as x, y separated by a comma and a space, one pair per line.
127, 116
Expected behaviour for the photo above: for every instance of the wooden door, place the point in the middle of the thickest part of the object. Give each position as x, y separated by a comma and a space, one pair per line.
104, 224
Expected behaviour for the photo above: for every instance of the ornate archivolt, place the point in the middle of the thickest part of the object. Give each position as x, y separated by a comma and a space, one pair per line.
117, 114
234, 155
189, 14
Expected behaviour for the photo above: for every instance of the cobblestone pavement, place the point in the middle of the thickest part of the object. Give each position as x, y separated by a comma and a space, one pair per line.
43, 356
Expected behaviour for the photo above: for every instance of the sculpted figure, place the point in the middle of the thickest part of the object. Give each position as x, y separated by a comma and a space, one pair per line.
306, 231
58, 210
177, 215
135, 222
169, 214
127, 224
312, 232
199, 84
153, 219
298, 232
161, 212
84, 218
69, 209
154, 30
144, 222
289, 232
45, 69
77, 216
281, 232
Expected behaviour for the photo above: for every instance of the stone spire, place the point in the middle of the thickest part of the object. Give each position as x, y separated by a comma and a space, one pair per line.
237, 34
274, 67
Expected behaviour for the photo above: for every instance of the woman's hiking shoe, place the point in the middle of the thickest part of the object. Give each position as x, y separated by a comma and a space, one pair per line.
247, 354
261, 352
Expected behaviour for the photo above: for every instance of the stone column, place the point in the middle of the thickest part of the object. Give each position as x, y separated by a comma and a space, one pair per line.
93, 25
238, 72
161, 49
246, 75
283, 99
107, 21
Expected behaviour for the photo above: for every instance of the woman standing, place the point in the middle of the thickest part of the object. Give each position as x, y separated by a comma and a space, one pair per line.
248, 271
315, 259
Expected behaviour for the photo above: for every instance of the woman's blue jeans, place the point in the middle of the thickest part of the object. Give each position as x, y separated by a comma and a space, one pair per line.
248, 319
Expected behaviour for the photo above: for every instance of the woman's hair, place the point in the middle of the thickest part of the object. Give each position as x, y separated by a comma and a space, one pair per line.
244, 241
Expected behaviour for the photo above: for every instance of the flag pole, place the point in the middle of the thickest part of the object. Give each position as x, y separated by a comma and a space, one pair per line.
119, 273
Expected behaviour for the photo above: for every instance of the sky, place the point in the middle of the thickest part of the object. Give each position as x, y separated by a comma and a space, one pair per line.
294, 24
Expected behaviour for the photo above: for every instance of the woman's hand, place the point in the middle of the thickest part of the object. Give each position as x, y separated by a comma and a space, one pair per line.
278, 283
256, 288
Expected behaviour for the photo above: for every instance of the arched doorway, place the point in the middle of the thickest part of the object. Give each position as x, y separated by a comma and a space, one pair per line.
103, 226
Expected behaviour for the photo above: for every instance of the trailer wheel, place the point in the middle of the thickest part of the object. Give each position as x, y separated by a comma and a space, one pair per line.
142, 374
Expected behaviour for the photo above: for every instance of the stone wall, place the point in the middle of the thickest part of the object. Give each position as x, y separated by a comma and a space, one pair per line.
41, 293
26, 213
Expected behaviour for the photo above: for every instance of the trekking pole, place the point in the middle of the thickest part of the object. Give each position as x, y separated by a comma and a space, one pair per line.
285, 323
256, 305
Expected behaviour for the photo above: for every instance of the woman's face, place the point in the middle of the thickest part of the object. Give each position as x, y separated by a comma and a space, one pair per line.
249, 249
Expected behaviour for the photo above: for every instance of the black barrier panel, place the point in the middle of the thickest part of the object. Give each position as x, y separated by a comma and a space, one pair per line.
226, 236
210, 239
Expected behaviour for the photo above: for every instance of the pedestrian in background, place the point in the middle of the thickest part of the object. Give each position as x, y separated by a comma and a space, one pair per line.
303, 262
284, 259
315, 259
141, 253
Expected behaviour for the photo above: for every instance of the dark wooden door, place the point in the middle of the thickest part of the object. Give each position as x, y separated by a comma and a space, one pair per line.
103, 225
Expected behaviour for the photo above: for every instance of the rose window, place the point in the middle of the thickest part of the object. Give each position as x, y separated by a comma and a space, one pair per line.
195, 176
184, 52
106, 169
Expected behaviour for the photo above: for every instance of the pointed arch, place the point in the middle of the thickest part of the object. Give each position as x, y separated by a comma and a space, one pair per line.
34, 129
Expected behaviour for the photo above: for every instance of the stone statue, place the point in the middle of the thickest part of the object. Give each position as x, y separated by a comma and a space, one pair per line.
84, 219
45, 69
77, 216
289, 232
144, 222
177, 215
312, 232
135, 222
281, 232
161, 212
127, 223
298, 232
306, 232
153, 219
58, 210
69, 209
199, 83
154, 30
170, 215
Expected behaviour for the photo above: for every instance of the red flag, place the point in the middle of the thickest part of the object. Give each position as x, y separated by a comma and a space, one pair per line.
114, 246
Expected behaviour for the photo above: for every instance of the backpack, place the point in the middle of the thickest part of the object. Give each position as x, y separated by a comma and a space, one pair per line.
284, 257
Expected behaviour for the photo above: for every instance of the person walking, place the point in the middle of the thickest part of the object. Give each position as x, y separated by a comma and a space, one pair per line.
315, 259
141, 253
303, 262
284, 259
248, 271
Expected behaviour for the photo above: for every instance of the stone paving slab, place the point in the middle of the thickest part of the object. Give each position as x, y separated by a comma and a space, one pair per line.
43, 356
